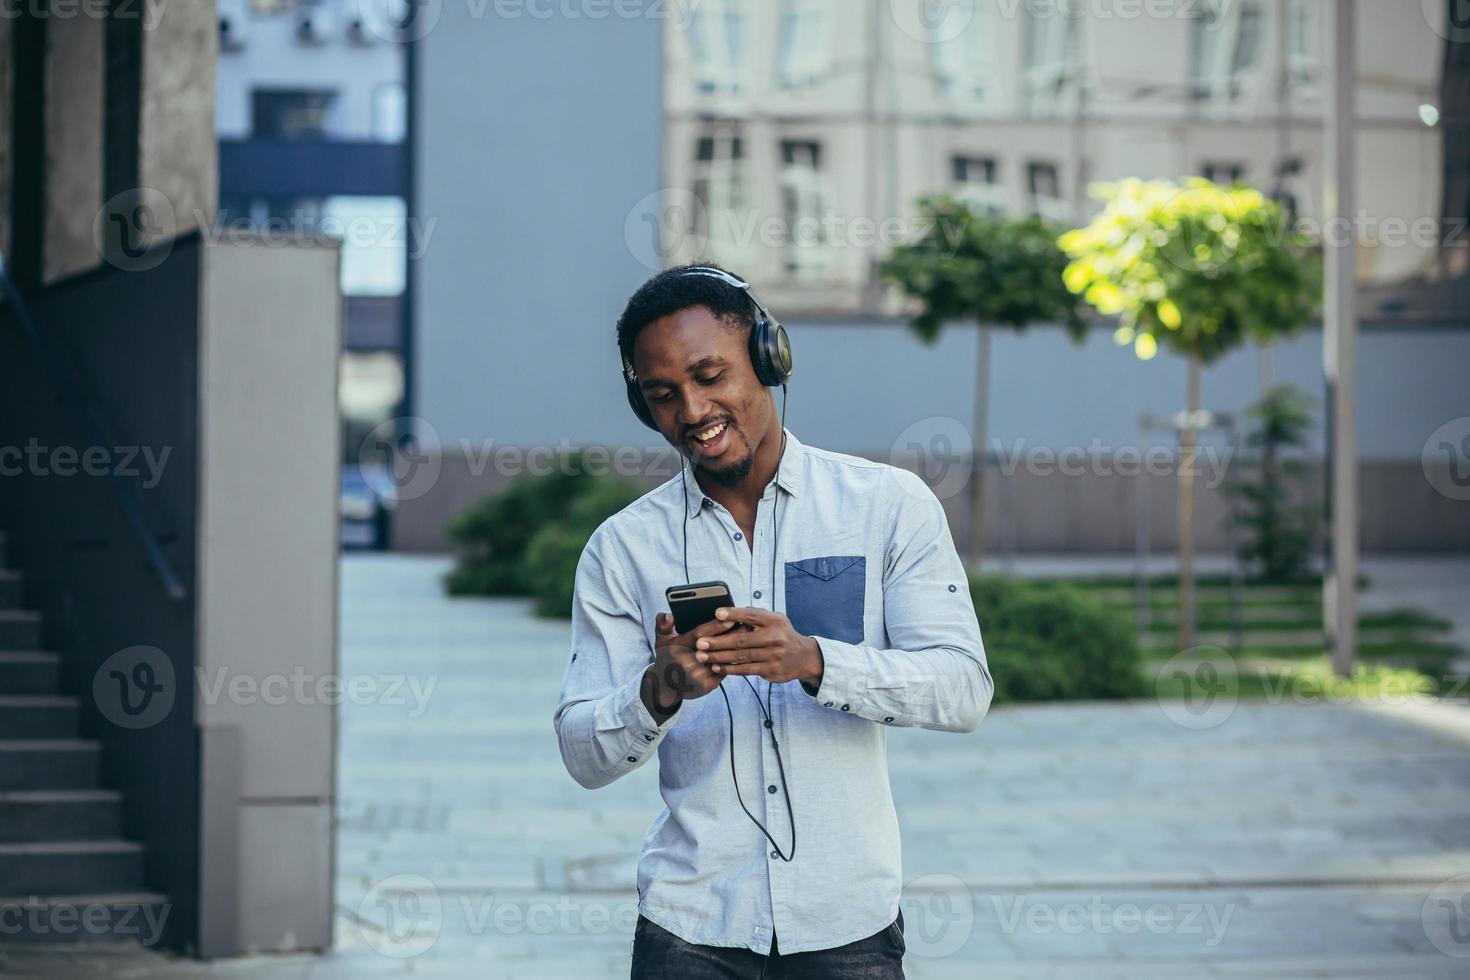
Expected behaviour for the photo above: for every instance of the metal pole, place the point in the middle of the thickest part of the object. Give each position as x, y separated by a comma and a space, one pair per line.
1142, 614
1339, 337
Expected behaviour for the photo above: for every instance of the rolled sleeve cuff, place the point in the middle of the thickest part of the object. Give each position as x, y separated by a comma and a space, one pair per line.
630, 728
844, 676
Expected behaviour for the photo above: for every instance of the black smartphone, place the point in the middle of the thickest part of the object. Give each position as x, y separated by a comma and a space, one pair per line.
694, 605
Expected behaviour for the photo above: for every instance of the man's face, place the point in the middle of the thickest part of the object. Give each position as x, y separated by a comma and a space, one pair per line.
695, 373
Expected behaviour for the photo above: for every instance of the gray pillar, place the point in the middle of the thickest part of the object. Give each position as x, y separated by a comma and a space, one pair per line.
1340, 339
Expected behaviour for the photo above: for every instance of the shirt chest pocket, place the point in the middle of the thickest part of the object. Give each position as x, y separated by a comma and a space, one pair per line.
824, 596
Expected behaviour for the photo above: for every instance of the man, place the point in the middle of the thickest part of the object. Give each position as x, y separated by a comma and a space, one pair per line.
853, 616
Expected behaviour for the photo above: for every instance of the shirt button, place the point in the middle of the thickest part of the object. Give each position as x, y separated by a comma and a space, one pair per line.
738, 535
771, 789
889, 718
757, 595
827, 704
844, 707
951, 588
708, 502
767, 723
776, 855
632, 758
649, 738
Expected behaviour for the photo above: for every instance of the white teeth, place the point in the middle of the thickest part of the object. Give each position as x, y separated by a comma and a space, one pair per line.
711, 433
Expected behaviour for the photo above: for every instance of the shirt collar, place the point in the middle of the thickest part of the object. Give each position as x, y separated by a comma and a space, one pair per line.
790, 475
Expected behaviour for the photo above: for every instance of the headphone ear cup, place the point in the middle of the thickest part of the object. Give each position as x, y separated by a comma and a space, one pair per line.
639, 405
770, 353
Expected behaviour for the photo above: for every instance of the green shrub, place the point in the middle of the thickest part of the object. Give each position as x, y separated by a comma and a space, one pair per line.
551, 556
490, 537
1047, 642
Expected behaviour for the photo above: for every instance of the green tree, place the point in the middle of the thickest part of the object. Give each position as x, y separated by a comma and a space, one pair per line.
1198, 269
989, 270
1279, 548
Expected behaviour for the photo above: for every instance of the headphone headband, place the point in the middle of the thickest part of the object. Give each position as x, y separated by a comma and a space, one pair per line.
770, 350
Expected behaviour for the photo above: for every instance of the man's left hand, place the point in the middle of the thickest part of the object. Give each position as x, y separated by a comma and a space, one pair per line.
769, 647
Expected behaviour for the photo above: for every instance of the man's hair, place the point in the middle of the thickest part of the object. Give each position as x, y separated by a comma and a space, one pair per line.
671, 291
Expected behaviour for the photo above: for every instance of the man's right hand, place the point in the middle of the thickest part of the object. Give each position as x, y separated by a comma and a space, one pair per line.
676, 674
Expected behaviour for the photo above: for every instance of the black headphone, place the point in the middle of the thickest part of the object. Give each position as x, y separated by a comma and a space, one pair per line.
770, 349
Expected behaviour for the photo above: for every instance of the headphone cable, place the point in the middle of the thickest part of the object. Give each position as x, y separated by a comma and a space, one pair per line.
765, 709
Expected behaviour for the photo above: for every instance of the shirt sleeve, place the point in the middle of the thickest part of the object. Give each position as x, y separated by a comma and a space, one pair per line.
934, 675
602, 725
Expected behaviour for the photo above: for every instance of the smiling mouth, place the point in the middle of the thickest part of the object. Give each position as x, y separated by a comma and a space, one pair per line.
711, 440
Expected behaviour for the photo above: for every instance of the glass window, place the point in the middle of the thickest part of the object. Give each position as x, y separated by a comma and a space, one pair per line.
1226, 49
724, 223
804, 50
1223, 173
804, 202
1044, 188
1302, 65
964, 65
292, 113
717, 45
390, 113
1049, 59
975, 184
374, 236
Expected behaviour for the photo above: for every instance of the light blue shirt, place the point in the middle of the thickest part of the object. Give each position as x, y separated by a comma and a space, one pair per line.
867, 567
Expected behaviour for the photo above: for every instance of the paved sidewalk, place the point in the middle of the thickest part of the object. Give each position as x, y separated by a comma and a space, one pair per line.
1082, 841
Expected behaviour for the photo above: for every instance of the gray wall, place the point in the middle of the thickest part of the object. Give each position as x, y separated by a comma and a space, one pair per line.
872, 389
270, 331
534, 136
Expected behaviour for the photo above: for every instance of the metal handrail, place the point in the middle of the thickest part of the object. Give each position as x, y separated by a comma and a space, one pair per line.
86, 420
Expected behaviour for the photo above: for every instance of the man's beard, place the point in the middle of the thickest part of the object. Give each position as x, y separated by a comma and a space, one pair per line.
733, 474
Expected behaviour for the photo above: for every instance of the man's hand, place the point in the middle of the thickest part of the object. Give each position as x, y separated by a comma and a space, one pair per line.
771, 648
676, 673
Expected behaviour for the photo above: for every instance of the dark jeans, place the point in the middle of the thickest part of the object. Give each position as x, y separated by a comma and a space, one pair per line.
660, 955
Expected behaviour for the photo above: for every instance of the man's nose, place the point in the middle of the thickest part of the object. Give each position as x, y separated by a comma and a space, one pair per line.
693, 407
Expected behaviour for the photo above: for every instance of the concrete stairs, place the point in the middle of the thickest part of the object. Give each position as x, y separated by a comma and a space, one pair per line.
67, 872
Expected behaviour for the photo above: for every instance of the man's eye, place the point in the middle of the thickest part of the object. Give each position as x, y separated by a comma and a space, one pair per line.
710, 381
660, 399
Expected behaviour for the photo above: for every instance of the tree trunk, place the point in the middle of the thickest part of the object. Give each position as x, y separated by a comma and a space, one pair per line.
979, 443
1188, 442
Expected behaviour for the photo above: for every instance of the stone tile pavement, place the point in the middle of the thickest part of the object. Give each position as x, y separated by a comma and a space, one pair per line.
1090, 841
